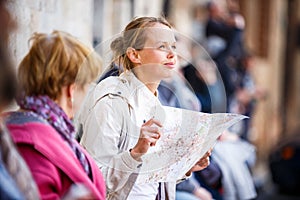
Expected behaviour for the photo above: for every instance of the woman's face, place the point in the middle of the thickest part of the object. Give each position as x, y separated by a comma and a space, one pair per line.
158, 57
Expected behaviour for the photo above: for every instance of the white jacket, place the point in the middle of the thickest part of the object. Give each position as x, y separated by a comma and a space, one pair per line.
111, 117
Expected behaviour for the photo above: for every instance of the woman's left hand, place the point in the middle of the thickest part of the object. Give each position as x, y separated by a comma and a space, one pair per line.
201, 164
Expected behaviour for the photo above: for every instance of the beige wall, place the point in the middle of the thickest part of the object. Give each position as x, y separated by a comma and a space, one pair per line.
32, 16
293, 101
268, 72
116, 14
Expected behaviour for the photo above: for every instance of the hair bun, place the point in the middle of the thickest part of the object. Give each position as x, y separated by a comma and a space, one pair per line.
118, 45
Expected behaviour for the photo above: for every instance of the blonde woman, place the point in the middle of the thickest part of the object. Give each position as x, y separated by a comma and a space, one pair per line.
56, 69
118, 123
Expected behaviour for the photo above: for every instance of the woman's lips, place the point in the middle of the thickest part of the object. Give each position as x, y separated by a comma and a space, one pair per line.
170, 64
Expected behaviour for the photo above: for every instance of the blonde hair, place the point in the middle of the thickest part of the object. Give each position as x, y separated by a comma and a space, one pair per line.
134, 35
56, 60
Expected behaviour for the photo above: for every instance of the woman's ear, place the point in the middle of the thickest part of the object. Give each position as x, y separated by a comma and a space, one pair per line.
65, 101
133, 55
70, 92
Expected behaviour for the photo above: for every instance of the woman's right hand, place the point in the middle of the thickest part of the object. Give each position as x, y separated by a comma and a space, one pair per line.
149, 134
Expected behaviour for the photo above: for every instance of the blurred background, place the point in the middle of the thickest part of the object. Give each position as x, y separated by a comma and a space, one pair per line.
271, 33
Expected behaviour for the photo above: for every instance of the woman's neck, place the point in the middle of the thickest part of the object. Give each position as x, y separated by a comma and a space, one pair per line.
152, 87
150, 84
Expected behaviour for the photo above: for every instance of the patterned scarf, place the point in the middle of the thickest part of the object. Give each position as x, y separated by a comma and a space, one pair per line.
46, 108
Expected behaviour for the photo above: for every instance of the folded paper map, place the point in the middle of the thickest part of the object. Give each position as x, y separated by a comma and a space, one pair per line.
185, 137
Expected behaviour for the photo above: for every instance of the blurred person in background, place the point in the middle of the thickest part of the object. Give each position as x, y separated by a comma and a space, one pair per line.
207, 85
246, 96
16, 181
237, 181
53, 79
225, 42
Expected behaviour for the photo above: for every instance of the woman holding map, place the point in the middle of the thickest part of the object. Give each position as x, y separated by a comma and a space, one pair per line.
120, 119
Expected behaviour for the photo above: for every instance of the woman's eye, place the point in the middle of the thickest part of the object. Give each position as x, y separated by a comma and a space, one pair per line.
162, 47
174, 47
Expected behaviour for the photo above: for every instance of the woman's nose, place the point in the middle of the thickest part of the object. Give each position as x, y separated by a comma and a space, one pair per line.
171, 53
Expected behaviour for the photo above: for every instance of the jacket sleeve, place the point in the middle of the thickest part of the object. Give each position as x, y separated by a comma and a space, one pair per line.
105, 137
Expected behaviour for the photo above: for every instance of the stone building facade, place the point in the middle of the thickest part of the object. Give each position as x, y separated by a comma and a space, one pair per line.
75, 17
